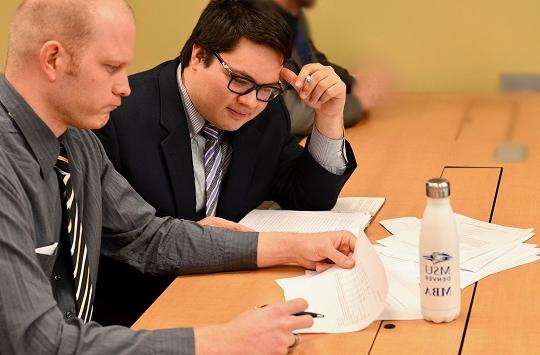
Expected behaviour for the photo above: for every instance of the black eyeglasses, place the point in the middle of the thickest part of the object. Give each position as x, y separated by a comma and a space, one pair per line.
241, 85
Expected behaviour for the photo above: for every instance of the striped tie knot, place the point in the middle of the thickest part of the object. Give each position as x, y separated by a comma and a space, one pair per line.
211, 132
62, 162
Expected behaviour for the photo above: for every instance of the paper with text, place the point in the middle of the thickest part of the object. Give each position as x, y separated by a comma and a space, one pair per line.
305, 221
350, 299
367, 205
480, 242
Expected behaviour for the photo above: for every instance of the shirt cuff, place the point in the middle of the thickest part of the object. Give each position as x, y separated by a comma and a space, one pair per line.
239, 250
330, 153
174, 341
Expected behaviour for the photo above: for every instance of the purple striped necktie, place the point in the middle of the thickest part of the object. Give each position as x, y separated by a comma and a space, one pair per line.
84, 295
212, 166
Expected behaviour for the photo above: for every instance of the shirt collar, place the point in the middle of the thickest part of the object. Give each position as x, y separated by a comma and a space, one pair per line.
195, 119
41, 140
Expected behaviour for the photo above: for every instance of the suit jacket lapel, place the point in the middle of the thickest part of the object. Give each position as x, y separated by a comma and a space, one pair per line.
176, 146
236, 183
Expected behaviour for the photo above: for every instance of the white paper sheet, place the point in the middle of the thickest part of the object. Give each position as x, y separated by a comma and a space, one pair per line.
480, 241
350, 299
367, 205
305, 221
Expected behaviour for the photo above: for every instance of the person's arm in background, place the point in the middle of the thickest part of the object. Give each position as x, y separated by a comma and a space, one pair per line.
343, 73
302, 116
365, 89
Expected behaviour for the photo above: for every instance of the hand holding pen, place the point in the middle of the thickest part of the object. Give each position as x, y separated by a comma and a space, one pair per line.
312, 314
304, 313
322, 89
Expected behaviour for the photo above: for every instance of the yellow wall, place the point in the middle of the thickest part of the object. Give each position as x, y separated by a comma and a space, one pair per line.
445, 45
435, 44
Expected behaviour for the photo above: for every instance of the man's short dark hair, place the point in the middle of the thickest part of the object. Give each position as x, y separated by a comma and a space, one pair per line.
224, 22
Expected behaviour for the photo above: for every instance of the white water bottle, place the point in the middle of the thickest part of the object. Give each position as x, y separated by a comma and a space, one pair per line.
440, 292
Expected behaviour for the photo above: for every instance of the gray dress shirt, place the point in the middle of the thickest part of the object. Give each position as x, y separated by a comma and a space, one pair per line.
36, 289
329, 153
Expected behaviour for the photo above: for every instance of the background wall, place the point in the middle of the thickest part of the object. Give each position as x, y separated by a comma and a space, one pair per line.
445, 45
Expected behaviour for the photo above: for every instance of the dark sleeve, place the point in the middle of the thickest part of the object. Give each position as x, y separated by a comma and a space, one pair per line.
353, 107
30, 320
300, 183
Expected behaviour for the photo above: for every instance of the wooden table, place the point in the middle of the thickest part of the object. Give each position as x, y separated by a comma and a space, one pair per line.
398, 148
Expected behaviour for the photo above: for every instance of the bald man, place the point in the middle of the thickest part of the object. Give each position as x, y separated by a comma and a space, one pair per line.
66, 71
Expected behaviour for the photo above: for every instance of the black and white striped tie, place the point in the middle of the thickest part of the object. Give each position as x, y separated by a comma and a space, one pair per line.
84, 296
212, 167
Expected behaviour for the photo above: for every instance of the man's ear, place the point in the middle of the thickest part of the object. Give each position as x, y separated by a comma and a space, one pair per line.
52, 58
198, 55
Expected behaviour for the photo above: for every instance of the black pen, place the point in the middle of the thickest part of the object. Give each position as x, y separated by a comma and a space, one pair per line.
312, 314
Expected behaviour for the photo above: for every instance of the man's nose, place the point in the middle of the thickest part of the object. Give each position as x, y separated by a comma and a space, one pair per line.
249, 99
121, 86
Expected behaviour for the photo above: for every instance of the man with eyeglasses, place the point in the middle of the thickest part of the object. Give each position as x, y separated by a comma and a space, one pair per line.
206, 136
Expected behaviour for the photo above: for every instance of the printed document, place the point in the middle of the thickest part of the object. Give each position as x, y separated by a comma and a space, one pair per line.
350, 299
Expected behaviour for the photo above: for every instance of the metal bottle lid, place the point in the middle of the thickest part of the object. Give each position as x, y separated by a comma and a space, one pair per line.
438, 188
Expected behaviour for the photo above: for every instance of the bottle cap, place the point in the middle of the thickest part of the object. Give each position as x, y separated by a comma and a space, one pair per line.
437, 188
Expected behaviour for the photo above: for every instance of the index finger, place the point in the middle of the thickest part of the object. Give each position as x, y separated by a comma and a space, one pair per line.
294, 306
306, 70
288, 75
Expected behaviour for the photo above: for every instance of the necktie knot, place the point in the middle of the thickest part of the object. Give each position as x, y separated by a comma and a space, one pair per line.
211, 132
62, 162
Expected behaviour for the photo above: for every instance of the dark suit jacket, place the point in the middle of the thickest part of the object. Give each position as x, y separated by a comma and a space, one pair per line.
147, 139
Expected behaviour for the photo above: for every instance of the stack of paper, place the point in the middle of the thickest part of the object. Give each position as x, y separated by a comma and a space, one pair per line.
485, 249
349, 213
